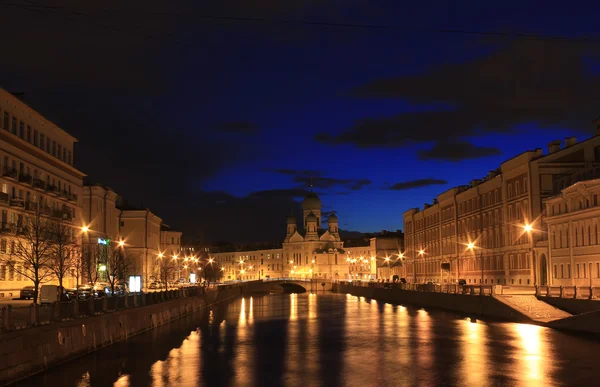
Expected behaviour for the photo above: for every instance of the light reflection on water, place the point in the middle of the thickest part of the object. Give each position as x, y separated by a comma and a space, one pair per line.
335, 340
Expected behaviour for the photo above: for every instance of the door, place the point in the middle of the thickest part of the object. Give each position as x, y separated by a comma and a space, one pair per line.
543, 270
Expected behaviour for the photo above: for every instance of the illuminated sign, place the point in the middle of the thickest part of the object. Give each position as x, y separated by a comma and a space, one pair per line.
192, 278
135, 283
103, 241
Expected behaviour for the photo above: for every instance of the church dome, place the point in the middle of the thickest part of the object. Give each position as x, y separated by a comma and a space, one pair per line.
291, 219
311, 218
332, 218
311, 202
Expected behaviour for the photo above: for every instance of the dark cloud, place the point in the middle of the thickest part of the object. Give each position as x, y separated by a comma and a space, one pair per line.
457, 151
316, 178
521, 82
281, 193
410, 184
294, 172
240, 127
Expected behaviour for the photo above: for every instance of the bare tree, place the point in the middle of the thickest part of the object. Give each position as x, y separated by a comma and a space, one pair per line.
30, 253
118, 267
77, 263
61, 240
90, 263
211, 272
166, 270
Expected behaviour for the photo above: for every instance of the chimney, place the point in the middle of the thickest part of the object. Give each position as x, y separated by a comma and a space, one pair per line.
426, 205
554, 146
435, 201
491, 174
569, 141
475, 182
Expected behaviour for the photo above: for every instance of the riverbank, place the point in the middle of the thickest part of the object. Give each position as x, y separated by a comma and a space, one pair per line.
28, 351
472, 305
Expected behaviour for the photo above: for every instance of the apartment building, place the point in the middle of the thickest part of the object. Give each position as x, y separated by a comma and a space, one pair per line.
36, 164
493, 231
573, 218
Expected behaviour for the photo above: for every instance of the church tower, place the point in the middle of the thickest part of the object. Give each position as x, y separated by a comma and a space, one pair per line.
312, 229
311, 204
291, 225
332, 223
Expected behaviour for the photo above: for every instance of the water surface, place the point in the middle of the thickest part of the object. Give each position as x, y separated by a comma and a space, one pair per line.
334, 340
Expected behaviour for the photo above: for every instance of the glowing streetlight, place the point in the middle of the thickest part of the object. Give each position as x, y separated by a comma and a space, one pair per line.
291, 261
372, 258
222, 268
241, 262
250, 267
121, 243
242, 271
470, 245
421, 252
85, 229
185, 266
387, 259
313, 261
160, 255
527, 228
401, 255
210, 260
175, 256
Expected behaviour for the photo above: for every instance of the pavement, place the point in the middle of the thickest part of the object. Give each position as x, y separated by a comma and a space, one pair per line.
13, 302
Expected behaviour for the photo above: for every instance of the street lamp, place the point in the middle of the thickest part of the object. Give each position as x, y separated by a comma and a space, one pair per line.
471, 246
528, 228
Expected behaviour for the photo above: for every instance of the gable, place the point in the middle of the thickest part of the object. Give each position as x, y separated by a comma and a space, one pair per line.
296, 237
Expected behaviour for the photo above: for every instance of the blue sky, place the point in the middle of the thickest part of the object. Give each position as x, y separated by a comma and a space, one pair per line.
216, 123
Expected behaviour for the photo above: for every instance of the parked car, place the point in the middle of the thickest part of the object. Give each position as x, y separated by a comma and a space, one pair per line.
85, 291
462, 281
71, 294
50, 294
155, 285
27, 293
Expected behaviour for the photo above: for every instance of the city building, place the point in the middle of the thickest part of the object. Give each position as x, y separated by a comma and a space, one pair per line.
492, 231
140, 233
317, 252
573, 218
37, 175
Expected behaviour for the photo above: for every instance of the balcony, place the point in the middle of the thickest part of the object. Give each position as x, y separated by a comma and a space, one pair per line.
10, 173
73, 198
52, 189
3, 197
63, 214
31, 206
7, 228
26, 179
39, 184
17, 202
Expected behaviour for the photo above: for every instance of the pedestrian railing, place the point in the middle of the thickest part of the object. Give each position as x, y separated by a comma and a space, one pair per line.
484, 290
20, 317
576, 291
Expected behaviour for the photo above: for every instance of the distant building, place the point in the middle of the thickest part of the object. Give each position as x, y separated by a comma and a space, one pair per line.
317, 253
573, 219
37, 174
495, 214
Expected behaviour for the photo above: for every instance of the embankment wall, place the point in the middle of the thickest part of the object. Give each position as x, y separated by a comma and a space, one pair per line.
484, 306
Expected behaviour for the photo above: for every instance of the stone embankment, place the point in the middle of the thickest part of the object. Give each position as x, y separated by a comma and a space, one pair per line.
569, 314
24, 352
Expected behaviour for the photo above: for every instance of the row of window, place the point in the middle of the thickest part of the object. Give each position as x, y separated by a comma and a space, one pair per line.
584, 236
17, 127
25, 171
563, 271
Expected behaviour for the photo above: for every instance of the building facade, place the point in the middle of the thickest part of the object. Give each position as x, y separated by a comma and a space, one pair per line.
573, 219
37, 175
493, 230
143, 234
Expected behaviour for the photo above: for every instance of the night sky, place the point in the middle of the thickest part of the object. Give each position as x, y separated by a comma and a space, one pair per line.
215, 116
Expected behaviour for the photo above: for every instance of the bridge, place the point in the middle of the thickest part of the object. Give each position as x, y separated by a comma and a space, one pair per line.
285, 284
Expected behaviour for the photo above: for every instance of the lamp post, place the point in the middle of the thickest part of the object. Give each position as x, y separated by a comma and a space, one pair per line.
422, 254
471, 246
528, 229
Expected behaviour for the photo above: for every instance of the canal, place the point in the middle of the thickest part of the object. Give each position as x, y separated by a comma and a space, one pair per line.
334, 340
